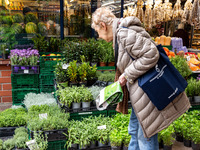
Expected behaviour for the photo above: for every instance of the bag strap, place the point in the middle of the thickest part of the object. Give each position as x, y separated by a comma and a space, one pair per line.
116, 52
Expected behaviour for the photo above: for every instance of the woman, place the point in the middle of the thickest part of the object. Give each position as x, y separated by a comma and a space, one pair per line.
132, 39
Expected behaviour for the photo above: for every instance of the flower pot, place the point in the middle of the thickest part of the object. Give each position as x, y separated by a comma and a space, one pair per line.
101, 144
74, 146
197, 99
86, 106
76, 106
111, 64
16, 69
125, 148
161, 145
115, 147
179, 137
82, 147
24, 67
187, 143
195, 146
102, 64
93, 144
166, 147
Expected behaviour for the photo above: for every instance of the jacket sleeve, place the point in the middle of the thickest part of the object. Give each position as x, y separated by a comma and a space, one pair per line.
141, 48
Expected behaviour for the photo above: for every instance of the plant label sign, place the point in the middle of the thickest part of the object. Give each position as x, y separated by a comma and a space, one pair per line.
65, 66
32, 145
43, 116
26, 71
101, 127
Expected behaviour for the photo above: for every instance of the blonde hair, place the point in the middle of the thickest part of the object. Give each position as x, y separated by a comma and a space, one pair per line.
102, 14
181, 26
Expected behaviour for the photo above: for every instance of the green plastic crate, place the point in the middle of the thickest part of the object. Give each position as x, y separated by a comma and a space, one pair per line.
168, 46
25, 81
80, 115
112, 113
47, 79
48, 63
57, 145
19, 94
47, 89
106, 68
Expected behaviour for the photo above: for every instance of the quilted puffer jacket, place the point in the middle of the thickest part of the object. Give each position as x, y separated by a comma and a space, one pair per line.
134, 40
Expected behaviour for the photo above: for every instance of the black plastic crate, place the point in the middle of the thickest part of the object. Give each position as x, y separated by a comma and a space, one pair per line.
25, 69
53, 135
7, 131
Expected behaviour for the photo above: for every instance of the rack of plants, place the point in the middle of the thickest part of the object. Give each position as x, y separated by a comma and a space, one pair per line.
57, 145
25, 69
53, 135
25, 81
7, 131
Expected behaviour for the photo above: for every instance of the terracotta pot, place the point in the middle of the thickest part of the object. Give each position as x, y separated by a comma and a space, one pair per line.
111, 64
102, 64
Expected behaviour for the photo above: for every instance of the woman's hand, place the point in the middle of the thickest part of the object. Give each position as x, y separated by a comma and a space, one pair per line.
122, 80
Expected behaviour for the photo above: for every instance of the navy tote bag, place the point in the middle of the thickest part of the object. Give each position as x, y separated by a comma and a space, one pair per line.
162, 83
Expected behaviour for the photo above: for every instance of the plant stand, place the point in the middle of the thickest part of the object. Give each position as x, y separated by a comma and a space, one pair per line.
195, 146
167, 147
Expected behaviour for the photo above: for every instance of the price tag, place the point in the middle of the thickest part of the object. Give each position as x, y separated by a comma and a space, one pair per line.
101, 127
43, 116
26, 71
65, 66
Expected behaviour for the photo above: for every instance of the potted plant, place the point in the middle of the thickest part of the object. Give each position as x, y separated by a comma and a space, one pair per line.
190, 89
167, 137
77, 97
72, 72
111, 57
9, 144
87, 98
186, 132
197, 92
82, 71
91, 75
72, 137
195, 135
115, 140
21, 137
126, 142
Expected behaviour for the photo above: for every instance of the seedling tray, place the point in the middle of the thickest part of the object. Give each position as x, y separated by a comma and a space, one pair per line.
53, 135
7, 131
24, 81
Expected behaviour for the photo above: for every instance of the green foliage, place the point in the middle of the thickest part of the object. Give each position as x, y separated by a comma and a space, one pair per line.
106, 76
1, 144
61, 72
193, 87
18, 18
54, 44
41, 141
9, 144
30, 17
56, 119
72, 71
31, 99
106, 51
181, 65
115, 138
21, 137
167, 135
13, 117
40, 43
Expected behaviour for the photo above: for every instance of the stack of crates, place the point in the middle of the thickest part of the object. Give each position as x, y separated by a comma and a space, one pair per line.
47, 68
23, 84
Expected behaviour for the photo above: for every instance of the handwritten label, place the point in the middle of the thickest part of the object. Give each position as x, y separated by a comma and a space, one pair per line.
26, 71
43, 116
101, 127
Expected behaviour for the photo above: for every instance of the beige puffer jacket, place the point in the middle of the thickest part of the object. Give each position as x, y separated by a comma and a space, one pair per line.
137, 42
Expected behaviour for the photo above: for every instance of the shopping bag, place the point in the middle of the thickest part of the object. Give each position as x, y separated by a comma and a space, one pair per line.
110, 95
163, 83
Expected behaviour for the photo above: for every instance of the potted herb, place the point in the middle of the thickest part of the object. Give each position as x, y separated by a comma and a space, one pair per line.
195, 135
126, 142
190, 89
91, 75
178, 127
115, 140
167, 137
21, 137
72, 137
77, 97
82, 71
9, 144
72, 72
87, 98
197, 91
